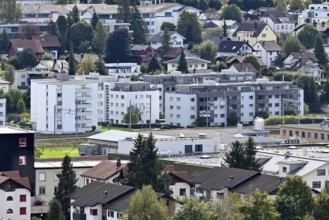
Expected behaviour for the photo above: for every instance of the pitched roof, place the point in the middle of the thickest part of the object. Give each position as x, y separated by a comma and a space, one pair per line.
228, 46
15, 176
251, 26
174, 52
270, 45
189, 60
244, 67
221, 177
158, 37
48, 41
140, 47
33, 44
103, 170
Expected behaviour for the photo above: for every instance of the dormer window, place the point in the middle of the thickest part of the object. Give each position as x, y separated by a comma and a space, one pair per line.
284, 169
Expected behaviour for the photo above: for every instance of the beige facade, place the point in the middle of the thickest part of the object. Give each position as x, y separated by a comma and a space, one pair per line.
307, 133
267, 34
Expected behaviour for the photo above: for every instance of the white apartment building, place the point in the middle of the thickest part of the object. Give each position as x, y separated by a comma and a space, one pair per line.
123, 70
2, 112
126, 94
66, 106
315, 13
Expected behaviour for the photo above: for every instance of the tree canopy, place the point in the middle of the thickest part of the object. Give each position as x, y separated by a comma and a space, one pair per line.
251, 59
232, 12
194, 209
55, 210
207, 50
188, 26
10, 11
182, 63
118, 46
99, 39
81, 32
308, 35
319, 51
154, 65
86, 66
292, 44
132, 116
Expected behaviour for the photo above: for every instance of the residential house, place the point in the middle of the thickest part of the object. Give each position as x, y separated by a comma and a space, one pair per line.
49, 44
99, 200
142, 54
243, 67
239, 59
267, 51
218, 182
316, 13
231, 25
174, 52
305, 63
23, 77
123, 70
15, 196
176, 40
229, 48
194, 64
254, 31
17, 46
4, 85
56, 66
106, 171
2, 112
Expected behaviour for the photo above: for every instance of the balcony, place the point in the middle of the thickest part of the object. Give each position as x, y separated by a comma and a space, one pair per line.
79, 216
81, 90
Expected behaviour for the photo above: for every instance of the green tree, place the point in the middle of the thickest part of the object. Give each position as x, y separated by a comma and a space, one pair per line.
9, 73
4, 40
144, 167
9, 102
324, 96
28, 58
182, 63
200, 122
232, 12
20, 106
221, 65
99, 39
144, 205
278, 62
319, 51
62, 28
86, 66
260, 207
55, 210
296, 5
207, 50
194, 209
72, 65
30, 30
10, 11
52, 28
66, 185
75, 14
132, 116
118, 46
307, 83
251, 163
189, 26
165, 41
80, 32
321, 206
235, 157
203, 5
154, 65
215, 4
281, 5
308, 35
225, 29
123, 14
228, 208
294, 199
138, 26
251, 59
232, 118
94, 20
292, 44
100, 67
168, 26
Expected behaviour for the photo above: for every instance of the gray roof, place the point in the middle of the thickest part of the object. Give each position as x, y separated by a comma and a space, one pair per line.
229, 46
251, 26
244, 67
189, 60
270, 45
140, 47
158, 37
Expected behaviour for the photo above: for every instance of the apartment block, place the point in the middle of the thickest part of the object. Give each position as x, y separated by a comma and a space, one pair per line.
316, 13
2, 112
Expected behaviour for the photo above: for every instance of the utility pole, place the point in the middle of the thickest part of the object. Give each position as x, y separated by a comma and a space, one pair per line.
55, 119
129, 115
150, 111
76, 121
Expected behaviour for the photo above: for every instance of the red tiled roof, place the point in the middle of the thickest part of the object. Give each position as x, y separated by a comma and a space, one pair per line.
14, 176
19, 45
47, 41
11, 174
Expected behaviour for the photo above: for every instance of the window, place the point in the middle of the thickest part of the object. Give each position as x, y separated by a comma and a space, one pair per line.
22, 142
9, 211
198, 148
22, 160
322, 136
178, 99
93, 211
22, 198
192, 116
321, 172
42, 190
316, 184
110, 213
178, 107
192, 99
284, 169
315, 135
220, 195
182, 192
277, 104
22, 210
9, 198
251, 97
42, 177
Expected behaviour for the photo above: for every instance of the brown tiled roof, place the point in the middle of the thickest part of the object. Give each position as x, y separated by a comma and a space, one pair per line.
103, 170
14, 176
48, 41
11, 174
35, 45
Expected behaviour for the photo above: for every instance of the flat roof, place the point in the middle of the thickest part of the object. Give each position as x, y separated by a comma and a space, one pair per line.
6, 130
58, 164
305, 126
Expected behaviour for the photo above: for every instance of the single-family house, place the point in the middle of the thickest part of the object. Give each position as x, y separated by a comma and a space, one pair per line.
176, 39
49, 43
267, 51
231, 25
174, 52
243, 67
56, 66
228, 48
194, 64
142, 54
254, 31
16, 46
4, 85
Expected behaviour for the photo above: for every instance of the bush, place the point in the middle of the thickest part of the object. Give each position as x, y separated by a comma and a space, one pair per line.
290, 119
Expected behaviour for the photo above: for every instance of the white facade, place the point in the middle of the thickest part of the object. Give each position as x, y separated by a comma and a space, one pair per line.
15, 203
245, 49
176, 40
284, 26
35, 2
315, 13
65, 106
2, 112
193, 64
248, 109
123, 70
91, 213
178, 187
146, 101
267, 57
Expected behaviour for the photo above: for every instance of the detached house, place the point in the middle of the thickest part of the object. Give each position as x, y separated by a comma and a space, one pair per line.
142, 54
233, 48
194, 64
254, 31
49, 43
176, 40
267, 51
17, 46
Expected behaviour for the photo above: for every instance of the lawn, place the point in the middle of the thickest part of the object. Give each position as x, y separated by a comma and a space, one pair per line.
59, 152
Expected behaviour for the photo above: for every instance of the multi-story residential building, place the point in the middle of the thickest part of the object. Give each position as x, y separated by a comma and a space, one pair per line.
123, 70
15, 196
2, 112
279, 21
316, 13
215, 101
267, 51
66, 106
125, 94
35, 2
14, 31
23, 77
18, 152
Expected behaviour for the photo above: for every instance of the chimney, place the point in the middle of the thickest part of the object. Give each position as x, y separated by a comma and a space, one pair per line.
54, 64
118, 163
255, 23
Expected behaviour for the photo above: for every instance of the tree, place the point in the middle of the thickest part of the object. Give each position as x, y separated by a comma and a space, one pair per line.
182, 63
72, 65
235, 157
144, 167
207, 50
232, 118
225, 29
80, 32
138, 26
200, 122
260, 207
319, 51
4, 40
251, 59
251, 163
123, 14
296, 5
75, 14
118, 46
292, 44
203, 5
229, 207
278, 62
294, 199
62, 28
30, 30
154, 65
28, 58
94, 20
168, 26
281, 5
144, 205
66, 185
215, 4
307, 83
194, 209
132, 116
188, 26
165, 41
9, 73
99, 39
86, 66
55, 210
221, 65
9, 102
232, 12
52, 28
308, 35
20, 106
10, 11
100, 67
321, 206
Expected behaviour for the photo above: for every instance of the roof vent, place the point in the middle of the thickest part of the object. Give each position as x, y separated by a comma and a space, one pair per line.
231, 178
105, 193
